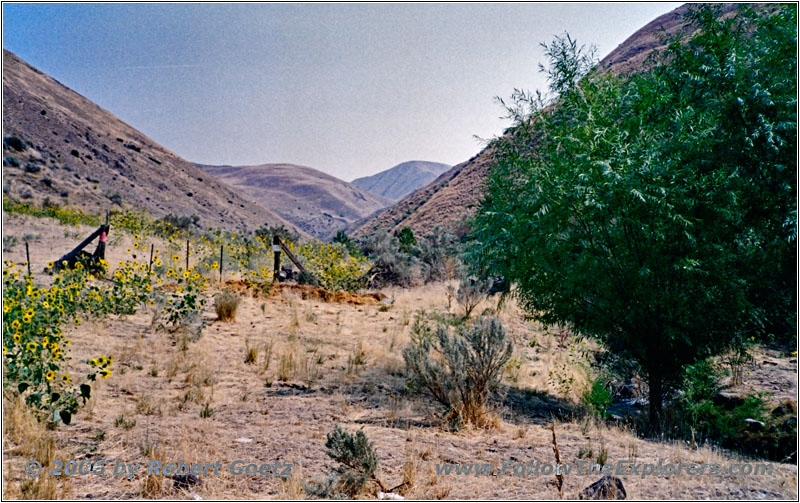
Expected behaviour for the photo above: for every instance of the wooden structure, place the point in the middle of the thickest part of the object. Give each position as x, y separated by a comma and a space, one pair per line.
91, 260
277, 246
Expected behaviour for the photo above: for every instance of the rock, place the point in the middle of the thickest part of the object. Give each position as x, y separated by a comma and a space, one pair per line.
389, 496
607, 488
754, 424
728, 400
787, 407
243, 440
185, 481
627, 390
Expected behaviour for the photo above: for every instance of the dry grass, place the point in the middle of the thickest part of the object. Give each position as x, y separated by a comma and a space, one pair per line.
305, 359
225, 305
29, 439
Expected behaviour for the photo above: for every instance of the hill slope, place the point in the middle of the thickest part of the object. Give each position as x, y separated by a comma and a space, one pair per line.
314, 201
455, 195
78, 154
401, 180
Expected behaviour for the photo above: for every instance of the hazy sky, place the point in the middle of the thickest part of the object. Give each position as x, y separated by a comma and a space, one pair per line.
350, 89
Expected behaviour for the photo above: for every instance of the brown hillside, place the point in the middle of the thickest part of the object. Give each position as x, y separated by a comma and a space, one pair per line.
80, 155
316, 202
452, 198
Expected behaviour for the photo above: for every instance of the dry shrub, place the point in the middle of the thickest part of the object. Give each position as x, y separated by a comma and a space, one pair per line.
225, 305
459, 368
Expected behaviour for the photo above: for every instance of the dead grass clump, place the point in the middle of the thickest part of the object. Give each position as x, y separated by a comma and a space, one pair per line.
356, 359
153, 485
412, 469
250, 353
267, 349
30, 440
287, 365
201, 370
225, 305
310, 368
147, 406
292, 488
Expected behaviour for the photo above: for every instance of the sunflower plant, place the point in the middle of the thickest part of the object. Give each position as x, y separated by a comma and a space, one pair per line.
36, 348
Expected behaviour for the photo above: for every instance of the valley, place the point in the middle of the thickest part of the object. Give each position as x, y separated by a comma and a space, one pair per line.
610, 282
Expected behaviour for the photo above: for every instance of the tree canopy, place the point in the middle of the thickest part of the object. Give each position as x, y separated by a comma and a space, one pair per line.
657, 210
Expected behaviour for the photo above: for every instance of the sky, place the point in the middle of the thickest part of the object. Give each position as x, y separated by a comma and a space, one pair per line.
349, 89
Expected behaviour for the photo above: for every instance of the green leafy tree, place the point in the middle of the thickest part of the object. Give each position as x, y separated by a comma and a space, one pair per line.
656, 211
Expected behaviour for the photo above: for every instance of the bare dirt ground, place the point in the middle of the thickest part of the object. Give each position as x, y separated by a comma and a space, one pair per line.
319, 364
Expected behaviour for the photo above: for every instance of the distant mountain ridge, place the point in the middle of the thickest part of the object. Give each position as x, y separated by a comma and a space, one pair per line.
401, 180
64, 148
317, 203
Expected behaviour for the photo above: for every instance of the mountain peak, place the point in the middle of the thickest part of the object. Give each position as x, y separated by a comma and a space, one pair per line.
403, 179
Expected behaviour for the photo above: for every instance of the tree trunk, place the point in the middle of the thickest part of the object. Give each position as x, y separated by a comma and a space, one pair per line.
656, 384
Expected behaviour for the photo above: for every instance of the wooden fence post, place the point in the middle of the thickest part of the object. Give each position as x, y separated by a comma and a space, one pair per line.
187, 254
150, 265
221, 247
276, 248
28, 256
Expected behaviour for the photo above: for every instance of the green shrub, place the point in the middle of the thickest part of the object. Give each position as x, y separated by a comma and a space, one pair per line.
598, 398
357, 462
461, 368
699, 417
